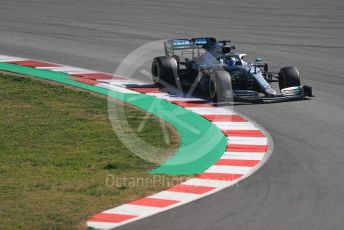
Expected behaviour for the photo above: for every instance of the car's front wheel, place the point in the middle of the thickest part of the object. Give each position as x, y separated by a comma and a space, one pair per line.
289, 77
220, 86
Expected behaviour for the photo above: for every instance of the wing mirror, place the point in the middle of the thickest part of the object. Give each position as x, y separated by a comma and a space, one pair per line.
226, 49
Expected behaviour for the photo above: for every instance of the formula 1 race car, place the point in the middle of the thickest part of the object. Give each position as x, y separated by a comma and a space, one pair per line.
216, 69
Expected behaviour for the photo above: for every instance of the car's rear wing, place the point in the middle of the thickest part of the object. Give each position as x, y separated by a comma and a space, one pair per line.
183, 44
177, 44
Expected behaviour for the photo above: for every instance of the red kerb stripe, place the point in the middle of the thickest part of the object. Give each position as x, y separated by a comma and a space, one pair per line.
98, 76
219, 176
235, 162
193, 103
154, 202
244, 133
190, 189
33, 63
84, 80
234, 118
246, 148
145, 90
109, 217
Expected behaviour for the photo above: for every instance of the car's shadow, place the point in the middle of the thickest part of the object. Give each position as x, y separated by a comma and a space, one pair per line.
197, 93
239, 102
242, 102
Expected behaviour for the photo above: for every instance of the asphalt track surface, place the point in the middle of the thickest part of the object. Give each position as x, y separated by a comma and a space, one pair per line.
301, 186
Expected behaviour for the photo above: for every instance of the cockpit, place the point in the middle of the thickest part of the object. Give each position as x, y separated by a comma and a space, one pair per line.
231, 60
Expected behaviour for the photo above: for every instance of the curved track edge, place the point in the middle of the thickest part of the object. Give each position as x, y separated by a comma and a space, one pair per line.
229, 146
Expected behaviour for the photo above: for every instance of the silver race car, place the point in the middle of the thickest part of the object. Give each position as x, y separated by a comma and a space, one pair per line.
214, 67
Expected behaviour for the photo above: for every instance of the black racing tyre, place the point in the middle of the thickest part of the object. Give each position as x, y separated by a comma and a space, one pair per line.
220, 86
164, 70
289, 77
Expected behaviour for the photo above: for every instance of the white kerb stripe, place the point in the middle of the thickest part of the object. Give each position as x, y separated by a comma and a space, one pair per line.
116, 88
120, 82
211, 111
172, 97
136, 210
247, 140
243, 156
210, 183
101, 225
67, 69
5, 58
235, 125
180, 196
229, 169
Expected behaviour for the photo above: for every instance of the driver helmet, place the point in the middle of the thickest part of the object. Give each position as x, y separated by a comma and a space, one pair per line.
231, 61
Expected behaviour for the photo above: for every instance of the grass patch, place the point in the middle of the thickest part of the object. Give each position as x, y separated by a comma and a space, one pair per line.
59, 156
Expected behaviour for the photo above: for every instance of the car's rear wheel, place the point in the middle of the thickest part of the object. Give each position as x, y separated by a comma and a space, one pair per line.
164, 70
289, 77
220, 86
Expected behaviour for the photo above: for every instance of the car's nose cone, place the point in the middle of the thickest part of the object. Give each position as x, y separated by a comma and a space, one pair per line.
270, 92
